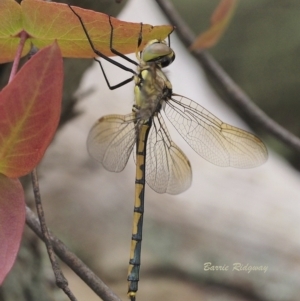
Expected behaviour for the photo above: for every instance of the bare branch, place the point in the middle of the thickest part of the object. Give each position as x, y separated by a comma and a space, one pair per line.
235, 93
61, 281
92, 280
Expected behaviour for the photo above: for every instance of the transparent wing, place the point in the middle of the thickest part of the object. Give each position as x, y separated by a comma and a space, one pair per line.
168, 170
214, 140
111, 141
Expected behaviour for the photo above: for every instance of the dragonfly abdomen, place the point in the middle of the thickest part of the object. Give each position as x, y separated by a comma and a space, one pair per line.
137, 227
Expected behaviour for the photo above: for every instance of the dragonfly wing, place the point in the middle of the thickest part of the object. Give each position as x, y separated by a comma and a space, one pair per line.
214, 140
168, 170
111, 141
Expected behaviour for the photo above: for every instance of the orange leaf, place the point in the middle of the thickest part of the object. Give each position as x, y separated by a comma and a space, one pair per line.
219, 22
48, 21
12, 220
29, 112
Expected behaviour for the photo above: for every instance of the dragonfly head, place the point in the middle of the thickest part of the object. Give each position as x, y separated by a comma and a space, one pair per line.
158, 52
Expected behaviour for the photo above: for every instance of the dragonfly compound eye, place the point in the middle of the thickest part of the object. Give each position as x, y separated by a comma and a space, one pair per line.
159, 53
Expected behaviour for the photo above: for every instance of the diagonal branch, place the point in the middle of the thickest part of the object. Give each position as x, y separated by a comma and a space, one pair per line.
235, 93
92, 280
61, 281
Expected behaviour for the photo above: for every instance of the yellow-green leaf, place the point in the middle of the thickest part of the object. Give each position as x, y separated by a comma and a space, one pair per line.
45, 22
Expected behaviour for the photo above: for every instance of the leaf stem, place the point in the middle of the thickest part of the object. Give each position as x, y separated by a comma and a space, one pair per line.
14, 69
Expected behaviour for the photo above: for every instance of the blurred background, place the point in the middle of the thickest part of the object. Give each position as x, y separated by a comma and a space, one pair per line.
228, 216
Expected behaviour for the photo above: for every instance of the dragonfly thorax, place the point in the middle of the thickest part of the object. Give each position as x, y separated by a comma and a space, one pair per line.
152, 86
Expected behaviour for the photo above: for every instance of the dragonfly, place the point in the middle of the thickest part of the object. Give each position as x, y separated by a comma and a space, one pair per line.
159, 161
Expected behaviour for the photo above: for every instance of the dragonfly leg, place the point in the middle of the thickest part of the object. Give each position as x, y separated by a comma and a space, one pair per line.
116, 52
126, 81
169, 39
99, 53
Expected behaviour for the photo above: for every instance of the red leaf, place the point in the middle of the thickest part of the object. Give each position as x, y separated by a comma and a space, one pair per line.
12, 219
223, 10
219, 22
29, 112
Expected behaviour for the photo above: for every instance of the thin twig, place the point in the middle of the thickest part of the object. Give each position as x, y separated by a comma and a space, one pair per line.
235, 93
61, 281
89, 277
